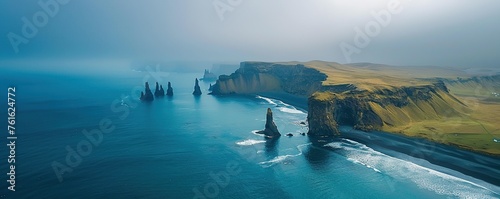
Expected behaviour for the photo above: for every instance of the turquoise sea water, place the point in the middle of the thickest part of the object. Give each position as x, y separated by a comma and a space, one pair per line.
193, 147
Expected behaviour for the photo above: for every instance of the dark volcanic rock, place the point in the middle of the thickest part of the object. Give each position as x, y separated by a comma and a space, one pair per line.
159, 92
256, 77
320, 118
197, 90
271, 130
379, 109
289, 134
211, 87
170, 90
147, 95
162, 91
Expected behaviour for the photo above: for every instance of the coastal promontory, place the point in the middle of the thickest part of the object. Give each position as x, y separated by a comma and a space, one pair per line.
445, 105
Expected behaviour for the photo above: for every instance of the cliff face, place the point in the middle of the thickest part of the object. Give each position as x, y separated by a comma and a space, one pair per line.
385, 109
483, 86
255, 77
319, 116
438, 104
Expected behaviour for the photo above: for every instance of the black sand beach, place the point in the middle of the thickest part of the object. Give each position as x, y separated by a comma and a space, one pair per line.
480, 166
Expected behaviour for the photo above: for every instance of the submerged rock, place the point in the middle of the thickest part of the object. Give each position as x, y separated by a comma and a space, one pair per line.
147, 95
170, 90
197, 90
271, 130
289, 134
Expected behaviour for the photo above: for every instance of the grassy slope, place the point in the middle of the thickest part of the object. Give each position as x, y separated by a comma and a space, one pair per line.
473, 126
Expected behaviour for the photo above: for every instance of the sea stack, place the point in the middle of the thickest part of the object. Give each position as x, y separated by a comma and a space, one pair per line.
197, 90
271, 130
159, 92
147, 95
162, 91
170, 90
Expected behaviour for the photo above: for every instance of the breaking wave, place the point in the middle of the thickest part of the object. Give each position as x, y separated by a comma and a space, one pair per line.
423, 177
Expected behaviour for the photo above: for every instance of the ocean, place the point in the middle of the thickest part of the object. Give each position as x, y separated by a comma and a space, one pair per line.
192, 147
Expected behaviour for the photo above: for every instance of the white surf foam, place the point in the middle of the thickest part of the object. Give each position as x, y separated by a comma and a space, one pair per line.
249, 142
268, 100
282, 158
423, 177
255, 133
282, 106
290, 110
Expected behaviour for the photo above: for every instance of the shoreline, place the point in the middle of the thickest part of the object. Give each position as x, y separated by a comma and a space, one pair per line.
477, 165
294, 100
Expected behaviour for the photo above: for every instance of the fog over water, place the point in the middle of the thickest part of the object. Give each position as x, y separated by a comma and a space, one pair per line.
424, 32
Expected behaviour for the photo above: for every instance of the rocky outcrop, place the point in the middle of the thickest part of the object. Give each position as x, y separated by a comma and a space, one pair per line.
162, 91
197, 90
147, 95
271, 130
170, 90
320, 118
209, 76
159, 92
379, 97
384, 109
257, 77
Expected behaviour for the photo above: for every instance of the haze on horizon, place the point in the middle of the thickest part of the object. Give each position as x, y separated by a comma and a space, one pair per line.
424, 32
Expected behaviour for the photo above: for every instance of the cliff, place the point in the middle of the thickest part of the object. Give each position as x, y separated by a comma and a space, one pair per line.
320, 115
258, 77
444, 105
391, 110
486, 87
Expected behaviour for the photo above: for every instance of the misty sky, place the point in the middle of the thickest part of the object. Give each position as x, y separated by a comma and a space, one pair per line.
424, 32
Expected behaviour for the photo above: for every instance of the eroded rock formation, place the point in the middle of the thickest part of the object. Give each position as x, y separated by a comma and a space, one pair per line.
271, 130
376, 97
321, 121
170, 90
386, 109
147, 95
255, 77
159, 92
197, 90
